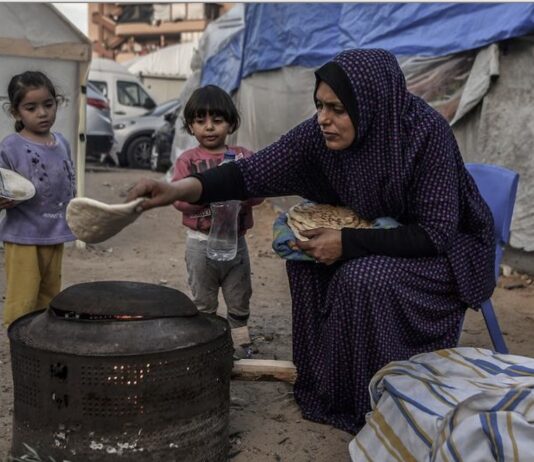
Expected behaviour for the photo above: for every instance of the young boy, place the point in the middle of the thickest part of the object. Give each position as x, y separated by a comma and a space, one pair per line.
210, 116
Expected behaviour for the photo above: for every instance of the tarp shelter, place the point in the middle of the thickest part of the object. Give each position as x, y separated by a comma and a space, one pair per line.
36, 36
472, 61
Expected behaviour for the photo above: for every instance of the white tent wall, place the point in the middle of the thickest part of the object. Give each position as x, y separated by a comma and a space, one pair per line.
64, 76
36, 36
500, 130
270, 103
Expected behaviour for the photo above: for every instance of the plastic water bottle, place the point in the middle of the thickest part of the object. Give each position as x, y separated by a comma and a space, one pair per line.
222, 238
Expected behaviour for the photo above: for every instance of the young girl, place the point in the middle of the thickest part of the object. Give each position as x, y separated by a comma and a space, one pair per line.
210, 116
34, 231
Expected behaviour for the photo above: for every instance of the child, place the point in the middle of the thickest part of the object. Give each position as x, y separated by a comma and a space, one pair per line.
210, 116
34, 231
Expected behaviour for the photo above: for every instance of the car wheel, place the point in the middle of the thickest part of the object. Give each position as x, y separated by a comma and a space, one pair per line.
139, 151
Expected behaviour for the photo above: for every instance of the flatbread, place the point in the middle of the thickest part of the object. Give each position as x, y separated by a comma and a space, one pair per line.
16, 187
306, 216
93, 221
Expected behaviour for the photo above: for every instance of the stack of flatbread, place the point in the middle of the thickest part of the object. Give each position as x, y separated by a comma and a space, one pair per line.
308, 215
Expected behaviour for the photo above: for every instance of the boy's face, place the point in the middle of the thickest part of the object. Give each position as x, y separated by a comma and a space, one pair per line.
211, 132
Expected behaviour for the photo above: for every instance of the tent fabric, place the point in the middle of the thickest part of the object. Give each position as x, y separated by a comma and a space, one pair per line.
221, 49
32, 21
484, 69
500, 131
473, 62
308, 34
277, 35
441, 80
433, 29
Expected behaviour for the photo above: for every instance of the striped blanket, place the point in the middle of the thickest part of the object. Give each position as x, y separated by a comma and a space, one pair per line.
458, 404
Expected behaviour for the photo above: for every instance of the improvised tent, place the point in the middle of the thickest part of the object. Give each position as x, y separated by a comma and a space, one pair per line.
451, 54
36, 36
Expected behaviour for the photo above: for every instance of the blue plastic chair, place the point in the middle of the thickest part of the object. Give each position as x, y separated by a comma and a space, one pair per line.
498, 187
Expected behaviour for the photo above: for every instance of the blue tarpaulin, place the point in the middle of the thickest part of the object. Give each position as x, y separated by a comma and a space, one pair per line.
309, 34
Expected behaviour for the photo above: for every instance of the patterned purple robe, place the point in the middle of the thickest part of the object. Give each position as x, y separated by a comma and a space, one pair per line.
353, 317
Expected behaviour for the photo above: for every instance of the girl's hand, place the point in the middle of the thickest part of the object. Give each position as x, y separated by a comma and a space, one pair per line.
324, 244
161, 193
7, 203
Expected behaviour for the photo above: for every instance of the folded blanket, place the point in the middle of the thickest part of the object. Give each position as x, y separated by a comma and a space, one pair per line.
284, 240
457, 404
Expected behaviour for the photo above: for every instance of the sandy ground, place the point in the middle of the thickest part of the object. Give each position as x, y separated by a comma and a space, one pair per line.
266, 424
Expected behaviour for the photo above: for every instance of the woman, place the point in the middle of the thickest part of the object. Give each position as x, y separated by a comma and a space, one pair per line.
377, 295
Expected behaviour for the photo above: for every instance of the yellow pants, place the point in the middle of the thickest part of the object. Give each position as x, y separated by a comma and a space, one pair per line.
33, 278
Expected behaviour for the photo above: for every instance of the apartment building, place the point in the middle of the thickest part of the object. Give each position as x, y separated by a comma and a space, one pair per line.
123, 31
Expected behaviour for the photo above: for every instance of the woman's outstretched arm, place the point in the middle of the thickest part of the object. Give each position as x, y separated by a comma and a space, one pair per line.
160, 193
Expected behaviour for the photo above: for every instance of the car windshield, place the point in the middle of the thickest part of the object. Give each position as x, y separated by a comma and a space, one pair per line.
163, 108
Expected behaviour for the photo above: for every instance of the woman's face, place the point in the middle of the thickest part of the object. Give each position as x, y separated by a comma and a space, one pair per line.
338, 131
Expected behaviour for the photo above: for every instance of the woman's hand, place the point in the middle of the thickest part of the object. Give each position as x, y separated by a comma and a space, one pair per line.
160, 193
7, 203
324, 244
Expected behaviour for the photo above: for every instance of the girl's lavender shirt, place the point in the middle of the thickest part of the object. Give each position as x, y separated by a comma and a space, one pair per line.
41, 219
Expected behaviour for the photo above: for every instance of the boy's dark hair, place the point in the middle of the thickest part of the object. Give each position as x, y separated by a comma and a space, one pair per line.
214, 101
20, 84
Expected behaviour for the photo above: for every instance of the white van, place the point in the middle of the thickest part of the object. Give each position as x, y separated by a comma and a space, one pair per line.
126, 94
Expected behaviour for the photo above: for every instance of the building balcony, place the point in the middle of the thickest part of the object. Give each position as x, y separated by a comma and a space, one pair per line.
165, 28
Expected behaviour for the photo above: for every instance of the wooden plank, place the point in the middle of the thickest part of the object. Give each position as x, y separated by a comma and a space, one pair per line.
264, 369
65, 51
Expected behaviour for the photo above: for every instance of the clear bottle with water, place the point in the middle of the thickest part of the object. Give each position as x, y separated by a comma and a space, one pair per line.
222, 238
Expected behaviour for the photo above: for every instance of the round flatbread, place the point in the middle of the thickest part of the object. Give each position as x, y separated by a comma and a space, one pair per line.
93, 221
15, 187
306, 215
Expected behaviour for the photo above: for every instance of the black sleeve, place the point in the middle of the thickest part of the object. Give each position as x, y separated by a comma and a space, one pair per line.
221, 183
404, 241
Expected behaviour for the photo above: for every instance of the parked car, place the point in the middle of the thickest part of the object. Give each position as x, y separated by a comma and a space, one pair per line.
127, 95
99, 129
134, 135
162, 139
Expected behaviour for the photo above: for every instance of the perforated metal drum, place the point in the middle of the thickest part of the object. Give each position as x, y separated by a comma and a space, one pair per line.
121, 371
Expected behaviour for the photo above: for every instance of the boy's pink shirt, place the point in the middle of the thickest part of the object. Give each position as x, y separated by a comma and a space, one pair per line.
197, 160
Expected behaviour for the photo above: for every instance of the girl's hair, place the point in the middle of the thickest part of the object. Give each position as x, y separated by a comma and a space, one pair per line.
20, 84
214, 101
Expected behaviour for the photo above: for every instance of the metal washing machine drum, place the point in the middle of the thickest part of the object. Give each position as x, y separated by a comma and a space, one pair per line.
121, 371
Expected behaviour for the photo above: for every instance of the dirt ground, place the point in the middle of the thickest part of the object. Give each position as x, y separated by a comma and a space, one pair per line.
265, 422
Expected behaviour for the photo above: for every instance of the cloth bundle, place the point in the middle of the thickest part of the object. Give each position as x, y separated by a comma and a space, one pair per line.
449, 405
